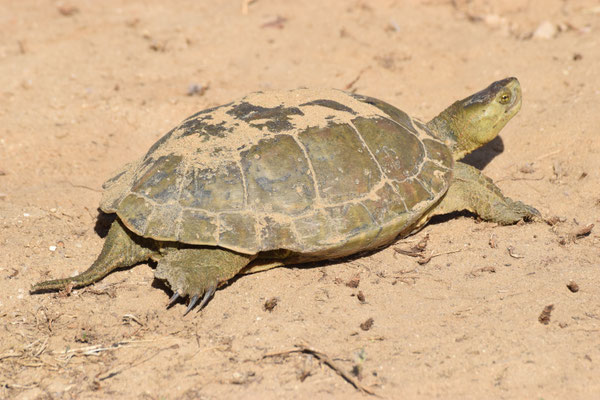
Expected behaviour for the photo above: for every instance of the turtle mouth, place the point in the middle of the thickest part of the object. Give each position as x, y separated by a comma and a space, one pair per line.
514, 107
516, 98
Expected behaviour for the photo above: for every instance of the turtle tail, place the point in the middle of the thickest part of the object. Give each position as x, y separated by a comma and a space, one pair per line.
121, 249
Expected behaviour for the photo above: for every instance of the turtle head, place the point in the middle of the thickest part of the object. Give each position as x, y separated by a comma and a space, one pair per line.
472, 122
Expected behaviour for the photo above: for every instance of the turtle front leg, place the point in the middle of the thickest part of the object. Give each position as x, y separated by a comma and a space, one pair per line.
121, 249
198, 271
471, 190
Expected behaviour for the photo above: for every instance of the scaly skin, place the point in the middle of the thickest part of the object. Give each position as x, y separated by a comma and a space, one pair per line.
471, 190
472, 122
196, 271
465, 126
192, 272
121, 249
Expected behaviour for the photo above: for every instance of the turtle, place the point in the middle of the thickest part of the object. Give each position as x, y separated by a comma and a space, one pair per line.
290, 177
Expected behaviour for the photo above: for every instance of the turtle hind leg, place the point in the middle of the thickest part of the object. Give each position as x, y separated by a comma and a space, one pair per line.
121, 249
471, 190
196, 272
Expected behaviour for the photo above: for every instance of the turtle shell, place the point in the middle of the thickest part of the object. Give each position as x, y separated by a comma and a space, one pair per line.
318, 172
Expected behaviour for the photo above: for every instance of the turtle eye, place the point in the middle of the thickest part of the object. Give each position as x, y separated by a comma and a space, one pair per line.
504, 98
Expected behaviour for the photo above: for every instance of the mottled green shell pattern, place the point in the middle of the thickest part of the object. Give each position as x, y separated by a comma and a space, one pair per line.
317, 172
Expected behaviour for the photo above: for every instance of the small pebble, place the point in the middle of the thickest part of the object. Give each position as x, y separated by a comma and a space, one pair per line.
360, 296
270, 304
368, 324
546, 30
52, 248
354, 282
573, 287
545, 315
196, 89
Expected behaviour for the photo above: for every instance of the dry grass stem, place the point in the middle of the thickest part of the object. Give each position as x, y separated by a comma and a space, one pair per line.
325, 359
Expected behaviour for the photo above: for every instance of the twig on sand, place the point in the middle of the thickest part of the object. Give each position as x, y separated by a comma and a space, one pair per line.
245, 4
325, 359
26, 386
548, 155
513, 253
350, 85
97, 349
425, 260
419, 249
512, 178
580, 232
116, 371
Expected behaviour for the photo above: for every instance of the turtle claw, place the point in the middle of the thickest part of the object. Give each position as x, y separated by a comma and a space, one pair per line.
207, 296
173, 299
193, 302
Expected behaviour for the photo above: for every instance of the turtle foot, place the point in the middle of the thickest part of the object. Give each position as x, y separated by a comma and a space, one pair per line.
521, 211
197, 272
473, 191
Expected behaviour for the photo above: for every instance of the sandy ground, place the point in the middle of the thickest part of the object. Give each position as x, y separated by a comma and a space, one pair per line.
86, 86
